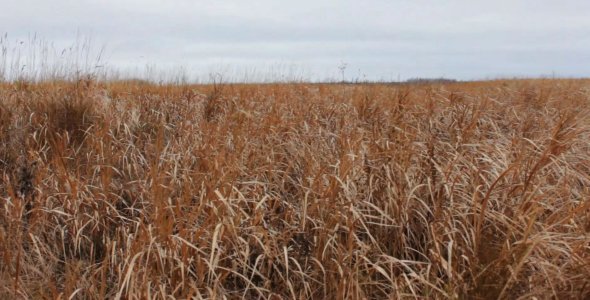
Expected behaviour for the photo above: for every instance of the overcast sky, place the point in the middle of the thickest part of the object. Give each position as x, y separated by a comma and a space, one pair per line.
387, 39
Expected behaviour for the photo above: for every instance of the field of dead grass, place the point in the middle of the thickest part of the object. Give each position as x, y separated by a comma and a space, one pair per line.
295, 191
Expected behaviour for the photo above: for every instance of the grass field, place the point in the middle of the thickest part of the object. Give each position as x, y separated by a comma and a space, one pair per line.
292, 191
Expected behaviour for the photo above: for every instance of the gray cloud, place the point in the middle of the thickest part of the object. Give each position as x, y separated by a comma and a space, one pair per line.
378, 39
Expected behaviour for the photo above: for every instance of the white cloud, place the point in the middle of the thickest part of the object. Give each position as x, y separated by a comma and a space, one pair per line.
462, 39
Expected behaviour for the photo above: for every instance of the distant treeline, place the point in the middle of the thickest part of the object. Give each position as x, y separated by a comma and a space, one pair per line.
440, 80
431, 80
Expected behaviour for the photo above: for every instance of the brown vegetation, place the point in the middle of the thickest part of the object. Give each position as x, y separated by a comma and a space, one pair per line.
467, 190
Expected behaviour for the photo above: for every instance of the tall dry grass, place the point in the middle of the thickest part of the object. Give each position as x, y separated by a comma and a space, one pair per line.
125, 190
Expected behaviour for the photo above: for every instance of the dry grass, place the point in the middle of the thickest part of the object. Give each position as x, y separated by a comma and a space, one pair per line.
121, 190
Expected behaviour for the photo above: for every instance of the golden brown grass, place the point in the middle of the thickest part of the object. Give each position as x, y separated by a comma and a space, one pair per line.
295, 191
